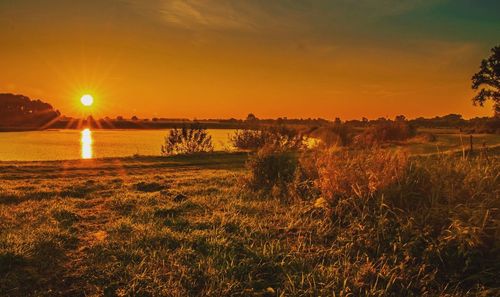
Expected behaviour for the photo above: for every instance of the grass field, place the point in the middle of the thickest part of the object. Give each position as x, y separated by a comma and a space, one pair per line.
183, 226
452, 142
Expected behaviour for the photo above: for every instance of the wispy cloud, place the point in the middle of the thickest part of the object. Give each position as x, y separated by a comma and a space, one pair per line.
207, 14
253, 15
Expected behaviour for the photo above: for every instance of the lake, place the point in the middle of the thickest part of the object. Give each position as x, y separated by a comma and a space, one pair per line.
86, 144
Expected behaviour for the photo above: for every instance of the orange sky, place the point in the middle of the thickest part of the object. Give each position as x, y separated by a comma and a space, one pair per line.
221, 59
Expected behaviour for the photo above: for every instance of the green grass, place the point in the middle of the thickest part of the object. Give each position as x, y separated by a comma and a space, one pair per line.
182, 226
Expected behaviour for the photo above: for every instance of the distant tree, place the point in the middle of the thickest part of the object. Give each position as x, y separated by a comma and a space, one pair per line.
487, 81
452, 117
338, 121
135, 118
400, 118
119, 118
251, 118
21, 111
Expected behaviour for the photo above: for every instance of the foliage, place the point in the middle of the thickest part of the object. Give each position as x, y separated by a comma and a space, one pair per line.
21, 111
280, 137
187, 140
248, 139
487, 81
333, 135
385, 131
271, 171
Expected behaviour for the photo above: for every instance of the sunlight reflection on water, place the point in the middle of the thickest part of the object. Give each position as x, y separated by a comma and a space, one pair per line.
77, 144
86, 141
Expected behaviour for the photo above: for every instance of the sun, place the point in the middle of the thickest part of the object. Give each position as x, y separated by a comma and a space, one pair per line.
87, 100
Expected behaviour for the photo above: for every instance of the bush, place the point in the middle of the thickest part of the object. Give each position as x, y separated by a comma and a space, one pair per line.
385, 132
279, 137
248, 139
271, 171
333, 135
194, 139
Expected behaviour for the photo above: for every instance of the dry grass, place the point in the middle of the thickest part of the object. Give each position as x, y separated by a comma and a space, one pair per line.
358, 173
183, 227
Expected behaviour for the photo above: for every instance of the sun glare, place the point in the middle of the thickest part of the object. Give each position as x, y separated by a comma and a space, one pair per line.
87, 100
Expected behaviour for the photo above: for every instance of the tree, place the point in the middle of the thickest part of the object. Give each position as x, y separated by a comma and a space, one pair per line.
21, 111
251, 118
400, 118
487, 81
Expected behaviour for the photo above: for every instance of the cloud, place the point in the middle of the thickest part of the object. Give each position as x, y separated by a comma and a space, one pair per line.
207, 14
317, 26
255, 15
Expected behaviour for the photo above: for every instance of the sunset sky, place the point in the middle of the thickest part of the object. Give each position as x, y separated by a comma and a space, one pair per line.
221, 59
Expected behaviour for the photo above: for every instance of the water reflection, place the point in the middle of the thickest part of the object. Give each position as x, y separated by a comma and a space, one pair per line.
86, 141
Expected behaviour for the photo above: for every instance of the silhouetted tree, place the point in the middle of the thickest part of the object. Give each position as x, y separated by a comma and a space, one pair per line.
21, 111
487, 81
400, 118
251, 117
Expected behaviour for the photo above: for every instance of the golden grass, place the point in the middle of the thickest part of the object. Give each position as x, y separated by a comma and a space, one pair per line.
183, 226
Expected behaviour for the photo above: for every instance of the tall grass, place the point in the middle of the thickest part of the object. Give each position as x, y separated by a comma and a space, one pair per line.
401, 226
358, 173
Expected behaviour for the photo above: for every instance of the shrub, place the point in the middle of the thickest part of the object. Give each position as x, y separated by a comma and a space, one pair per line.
271, 171
333, 135
248, 139
188, 140
385, 132
279, 137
